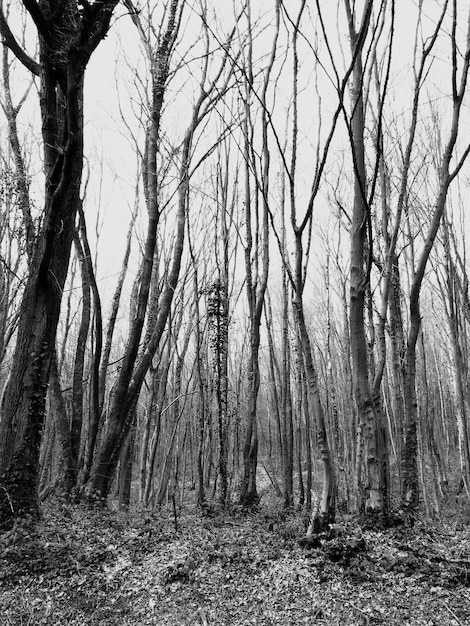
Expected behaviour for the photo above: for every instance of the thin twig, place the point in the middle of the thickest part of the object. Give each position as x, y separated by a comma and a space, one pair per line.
8, 498
451, 612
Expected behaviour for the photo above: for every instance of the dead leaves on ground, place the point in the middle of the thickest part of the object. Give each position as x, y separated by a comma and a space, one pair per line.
85, 567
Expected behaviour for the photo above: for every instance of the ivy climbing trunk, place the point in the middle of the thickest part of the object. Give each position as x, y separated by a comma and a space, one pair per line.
217, 313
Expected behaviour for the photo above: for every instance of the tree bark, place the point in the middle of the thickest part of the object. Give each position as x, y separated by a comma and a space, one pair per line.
67, 40
410, 486
373, 496
257, 277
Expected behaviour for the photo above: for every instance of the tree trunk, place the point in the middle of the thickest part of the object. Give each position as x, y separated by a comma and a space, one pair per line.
137, 359
63, 58
67, 40
325, 514
218, 316
256, 256
66, 469
410, 486
125, 472
373, 496
78, 385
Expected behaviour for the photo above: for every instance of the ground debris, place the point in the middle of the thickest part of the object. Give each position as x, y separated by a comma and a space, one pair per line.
85, 567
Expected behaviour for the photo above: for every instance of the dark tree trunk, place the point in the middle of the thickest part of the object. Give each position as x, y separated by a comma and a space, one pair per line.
125, 472
65, 467
67, 40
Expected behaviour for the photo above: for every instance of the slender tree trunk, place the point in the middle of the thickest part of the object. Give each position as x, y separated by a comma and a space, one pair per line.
78, 385
410, 486
325, 514
158, 399
176, 414
125, 472
200, 377
217, 313
373, 496
256, 277
66, 469
452, 293
287, 423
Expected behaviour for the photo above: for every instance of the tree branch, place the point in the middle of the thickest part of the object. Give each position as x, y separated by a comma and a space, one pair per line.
10, 41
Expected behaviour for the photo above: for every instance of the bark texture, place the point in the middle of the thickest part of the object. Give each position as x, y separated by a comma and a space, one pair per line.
67, 39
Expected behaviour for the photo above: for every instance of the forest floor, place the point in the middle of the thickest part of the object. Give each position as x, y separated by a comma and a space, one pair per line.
93, 567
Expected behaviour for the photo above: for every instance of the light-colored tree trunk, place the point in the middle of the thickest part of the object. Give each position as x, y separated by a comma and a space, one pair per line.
373, 496
410, 486
256, 254
137, 360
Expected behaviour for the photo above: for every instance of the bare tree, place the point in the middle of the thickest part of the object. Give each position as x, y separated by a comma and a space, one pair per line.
256, 247
371, 416
67, 39
459, 77
136, 362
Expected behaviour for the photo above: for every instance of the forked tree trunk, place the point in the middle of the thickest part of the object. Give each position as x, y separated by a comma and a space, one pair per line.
324, 513
138, 358
410, 486
134, 366
373, 496
256, 257
67, 40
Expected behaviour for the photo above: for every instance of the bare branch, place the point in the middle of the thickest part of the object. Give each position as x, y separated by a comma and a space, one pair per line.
9, 40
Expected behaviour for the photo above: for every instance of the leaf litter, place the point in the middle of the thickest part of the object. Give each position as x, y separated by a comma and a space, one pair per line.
83, 566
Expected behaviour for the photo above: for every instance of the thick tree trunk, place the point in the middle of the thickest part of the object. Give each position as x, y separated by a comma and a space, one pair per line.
23, 404
67, 40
